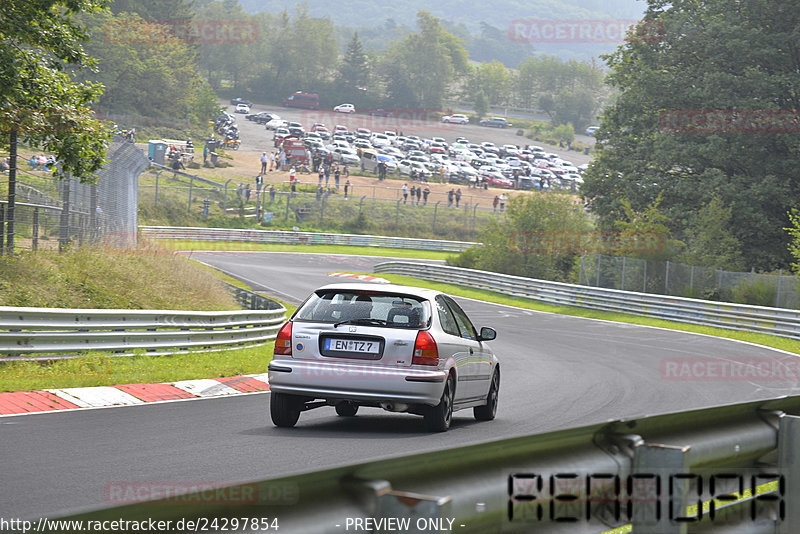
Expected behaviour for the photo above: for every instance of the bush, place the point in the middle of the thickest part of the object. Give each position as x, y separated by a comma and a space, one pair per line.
758, 293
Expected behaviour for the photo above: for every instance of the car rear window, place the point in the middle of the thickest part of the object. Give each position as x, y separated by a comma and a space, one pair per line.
396, 310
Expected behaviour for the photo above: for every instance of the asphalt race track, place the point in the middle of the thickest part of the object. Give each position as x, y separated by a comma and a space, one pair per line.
558, 372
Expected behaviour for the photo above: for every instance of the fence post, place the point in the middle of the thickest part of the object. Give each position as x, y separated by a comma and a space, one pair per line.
2, 227
623, 273
225, 199
361, 205
644, 282
322, 207
63, 242
397, 214
288, 199
691, 279
191, 183
778, 295
474, 215
580, 272
666, 280
752, 275
35, 230
435, 208
599, 259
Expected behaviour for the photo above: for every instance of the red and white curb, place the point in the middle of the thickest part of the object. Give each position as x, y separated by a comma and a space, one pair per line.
365, 277
26, 402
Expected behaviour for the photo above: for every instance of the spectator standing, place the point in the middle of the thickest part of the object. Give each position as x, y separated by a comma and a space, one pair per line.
405, 193
321, 171
495, 202
205, 155
502, 201
413, 193
259, 183
419, 194
458, 197
272, 193
239, 191
346, 172
346, 187
450, 195
327, 174
292, 174
425, 193
247, 193
264, 162
336, 175
176, 166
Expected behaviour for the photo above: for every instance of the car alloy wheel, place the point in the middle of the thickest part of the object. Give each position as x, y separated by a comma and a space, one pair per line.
439, 417
284, 409
488, 410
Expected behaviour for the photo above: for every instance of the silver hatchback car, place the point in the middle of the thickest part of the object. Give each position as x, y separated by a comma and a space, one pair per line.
400, 348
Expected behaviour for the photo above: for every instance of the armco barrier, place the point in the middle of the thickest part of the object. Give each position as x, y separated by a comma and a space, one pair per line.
774, 321
646, 472
37, 331
298, 238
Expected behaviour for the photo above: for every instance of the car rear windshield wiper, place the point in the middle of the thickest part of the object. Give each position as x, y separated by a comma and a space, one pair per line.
363, 320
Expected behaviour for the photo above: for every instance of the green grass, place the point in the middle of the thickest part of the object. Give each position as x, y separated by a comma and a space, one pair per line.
789, 345
184, 244
97, 369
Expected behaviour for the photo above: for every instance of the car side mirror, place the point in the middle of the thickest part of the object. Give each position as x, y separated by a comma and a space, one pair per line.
487, 334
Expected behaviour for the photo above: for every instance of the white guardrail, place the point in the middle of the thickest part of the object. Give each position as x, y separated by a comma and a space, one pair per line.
35, 331
299, 238
773, 321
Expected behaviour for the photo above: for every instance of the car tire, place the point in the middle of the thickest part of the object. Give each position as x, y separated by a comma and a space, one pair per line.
439, 417
346, 409
488, 410
284, 409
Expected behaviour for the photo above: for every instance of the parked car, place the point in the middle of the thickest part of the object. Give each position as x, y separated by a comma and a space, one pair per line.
456, 119
346, 156
400, 348
371, 158
261, 118
274, 124
345, 108
237, 101
302, 100
242, 108
591, 130
405, 166
495, 122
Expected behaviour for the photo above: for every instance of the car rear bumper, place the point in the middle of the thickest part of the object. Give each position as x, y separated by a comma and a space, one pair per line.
352, 381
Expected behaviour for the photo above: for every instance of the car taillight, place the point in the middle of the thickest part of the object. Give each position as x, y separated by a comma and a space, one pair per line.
425, 350
283, 343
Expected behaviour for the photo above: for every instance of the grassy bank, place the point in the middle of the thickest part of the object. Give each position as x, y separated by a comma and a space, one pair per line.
128, 279
185, 244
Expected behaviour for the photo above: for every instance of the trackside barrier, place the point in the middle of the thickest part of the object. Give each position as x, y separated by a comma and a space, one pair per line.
661, 474
774, 321
36, 331
298, 238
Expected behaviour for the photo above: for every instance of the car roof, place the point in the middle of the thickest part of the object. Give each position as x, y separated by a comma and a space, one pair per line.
383, 288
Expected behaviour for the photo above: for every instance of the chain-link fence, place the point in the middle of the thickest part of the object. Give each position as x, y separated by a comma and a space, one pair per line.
671, 278
51, 213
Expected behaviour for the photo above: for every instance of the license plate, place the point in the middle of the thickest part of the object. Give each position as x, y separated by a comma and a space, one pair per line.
350, 345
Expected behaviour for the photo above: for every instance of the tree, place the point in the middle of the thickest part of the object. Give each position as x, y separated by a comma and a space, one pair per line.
420, 68
354, 68
481, 104
540, 238
718, 57
39, 102
709, 239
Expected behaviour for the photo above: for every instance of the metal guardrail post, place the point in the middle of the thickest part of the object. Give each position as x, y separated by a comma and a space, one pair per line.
657, 469
435, 209
191, 185
361, 205
789, 466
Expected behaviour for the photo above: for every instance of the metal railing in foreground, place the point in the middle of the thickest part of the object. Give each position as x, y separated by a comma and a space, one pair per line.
298, 238
40, 331
773, 321
730, 468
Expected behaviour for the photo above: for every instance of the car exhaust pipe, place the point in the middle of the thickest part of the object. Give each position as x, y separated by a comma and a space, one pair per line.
394, 406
